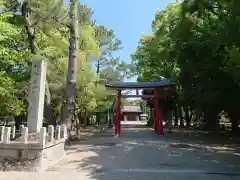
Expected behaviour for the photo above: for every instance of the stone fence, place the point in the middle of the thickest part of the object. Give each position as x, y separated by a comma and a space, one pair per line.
31, 151
44, 137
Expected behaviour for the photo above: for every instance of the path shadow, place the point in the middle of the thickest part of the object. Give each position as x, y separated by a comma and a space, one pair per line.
205, 140
141, 148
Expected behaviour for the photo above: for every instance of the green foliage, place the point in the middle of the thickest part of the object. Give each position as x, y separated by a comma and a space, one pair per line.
195, 43
49, 22
13, 66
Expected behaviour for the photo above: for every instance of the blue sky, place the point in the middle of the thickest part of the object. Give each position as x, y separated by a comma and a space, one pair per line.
130, 19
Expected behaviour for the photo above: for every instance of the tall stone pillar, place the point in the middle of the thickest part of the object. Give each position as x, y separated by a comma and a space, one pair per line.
125, 117
36, 96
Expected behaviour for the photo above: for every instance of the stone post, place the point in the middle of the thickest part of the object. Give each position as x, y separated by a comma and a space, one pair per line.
50, 133
13, 131
64, 131
1, 133
36, 96
6, 135
21, 127
24, 135
43, 134
58, 131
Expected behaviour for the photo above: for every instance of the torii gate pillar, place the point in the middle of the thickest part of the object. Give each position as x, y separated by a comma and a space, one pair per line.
158, 118
118, 114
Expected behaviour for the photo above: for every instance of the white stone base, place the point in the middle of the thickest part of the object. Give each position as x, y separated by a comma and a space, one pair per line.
30, 157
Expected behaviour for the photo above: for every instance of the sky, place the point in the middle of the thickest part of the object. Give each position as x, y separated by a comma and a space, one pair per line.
129, 19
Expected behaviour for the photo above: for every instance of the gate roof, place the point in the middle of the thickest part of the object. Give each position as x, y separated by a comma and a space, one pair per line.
134, 85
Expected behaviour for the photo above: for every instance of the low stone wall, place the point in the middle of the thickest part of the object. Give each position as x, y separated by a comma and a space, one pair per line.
32, 152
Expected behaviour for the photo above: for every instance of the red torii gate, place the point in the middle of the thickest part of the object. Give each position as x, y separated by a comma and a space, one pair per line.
120, 86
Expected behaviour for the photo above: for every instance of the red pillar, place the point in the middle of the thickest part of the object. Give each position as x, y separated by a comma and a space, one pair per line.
118, 114
158, 116
161, 120
156, 111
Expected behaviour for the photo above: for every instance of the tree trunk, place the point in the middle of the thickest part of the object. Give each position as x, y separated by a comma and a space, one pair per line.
70, 91
151, 117
85, 118
48, 109
110, 124
233, 114
181, 116
187, 117
175, 116
98, 66
169, 124
30, 30
77, 125
19, 120
212, 120
88, 120
97, 118
235, 128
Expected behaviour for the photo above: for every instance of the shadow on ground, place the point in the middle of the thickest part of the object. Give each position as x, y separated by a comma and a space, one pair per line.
141, 151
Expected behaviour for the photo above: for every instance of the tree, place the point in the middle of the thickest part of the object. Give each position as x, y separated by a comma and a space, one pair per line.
13, 68
70, 95
34, 18
192, 44
35, 30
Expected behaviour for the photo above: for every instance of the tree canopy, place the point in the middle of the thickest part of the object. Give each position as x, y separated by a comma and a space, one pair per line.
39, 30
195, 44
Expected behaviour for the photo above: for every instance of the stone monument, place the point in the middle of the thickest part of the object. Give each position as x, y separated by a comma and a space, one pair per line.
36, 96
37, 148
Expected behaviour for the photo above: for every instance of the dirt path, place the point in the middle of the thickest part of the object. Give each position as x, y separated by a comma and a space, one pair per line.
139, 154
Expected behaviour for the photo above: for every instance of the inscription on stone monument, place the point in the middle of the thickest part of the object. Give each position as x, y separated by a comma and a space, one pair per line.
36, 96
